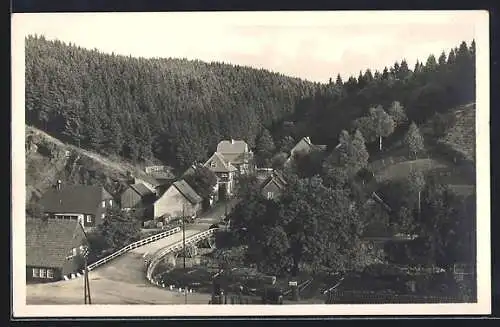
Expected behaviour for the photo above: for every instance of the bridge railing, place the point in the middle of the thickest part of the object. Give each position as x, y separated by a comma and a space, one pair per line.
133, 246
151, 265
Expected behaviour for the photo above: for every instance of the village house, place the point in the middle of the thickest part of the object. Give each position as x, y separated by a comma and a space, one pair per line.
150, 182
138, 197
52, 248
162, 174
304, 146
178, 199
214, 196
237, 153
273, 186
83, 203
225, 172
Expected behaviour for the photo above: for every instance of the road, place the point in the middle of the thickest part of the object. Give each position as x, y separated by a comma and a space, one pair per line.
123, 281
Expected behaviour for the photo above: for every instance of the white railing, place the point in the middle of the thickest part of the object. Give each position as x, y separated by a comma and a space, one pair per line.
133, 246
153, 262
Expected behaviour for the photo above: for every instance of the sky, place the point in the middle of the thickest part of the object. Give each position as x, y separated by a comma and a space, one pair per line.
310, 45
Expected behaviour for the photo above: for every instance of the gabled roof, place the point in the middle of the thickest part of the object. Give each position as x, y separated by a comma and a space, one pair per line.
221, 166
276, 178
159, 175
74, 199
232, 146
306, 144
49, 242
148, 179
187, 191
141, 189
303, 145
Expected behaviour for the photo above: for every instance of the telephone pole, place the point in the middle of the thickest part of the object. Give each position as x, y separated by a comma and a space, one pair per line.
184, 248
86, 283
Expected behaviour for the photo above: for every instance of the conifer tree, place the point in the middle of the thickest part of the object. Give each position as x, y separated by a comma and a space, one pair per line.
414, 140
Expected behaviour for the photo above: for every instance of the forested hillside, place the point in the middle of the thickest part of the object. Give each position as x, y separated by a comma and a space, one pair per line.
431, 87
176, 110
172, 109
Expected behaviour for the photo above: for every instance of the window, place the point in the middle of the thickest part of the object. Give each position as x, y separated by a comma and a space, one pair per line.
50, 273
36, 272
270, 195
110, 202
212, 164
89, 218
103, 204
42, 273
74, 251
103, 215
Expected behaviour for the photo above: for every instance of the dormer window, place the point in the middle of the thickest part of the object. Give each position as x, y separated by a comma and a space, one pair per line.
212, 164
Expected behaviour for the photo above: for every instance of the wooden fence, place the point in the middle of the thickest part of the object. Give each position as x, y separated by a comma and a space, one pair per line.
133, 246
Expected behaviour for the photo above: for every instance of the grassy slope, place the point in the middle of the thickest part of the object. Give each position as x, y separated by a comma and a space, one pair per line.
460, 137
48, 162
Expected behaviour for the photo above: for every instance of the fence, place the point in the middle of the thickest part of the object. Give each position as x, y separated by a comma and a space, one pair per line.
133, 246
173, 248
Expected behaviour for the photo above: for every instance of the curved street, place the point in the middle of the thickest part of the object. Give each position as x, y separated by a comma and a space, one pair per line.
123, 281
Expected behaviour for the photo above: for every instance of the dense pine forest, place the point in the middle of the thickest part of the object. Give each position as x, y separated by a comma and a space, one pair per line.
172, 109
176, 110
429, 88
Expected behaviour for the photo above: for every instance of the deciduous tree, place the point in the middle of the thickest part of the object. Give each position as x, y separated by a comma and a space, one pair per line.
119, 229
397, 112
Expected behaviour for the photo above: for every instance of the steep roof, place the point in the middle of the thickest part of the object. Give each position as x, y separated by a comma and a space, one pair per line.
276, 178
305, 144
49, 242
232, 146
74, 199
221, 166
141, 189
185, 189
148, 179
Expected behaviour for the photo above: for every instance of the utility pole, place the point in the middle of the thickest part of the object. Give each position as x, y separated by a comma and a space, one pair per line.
184, 248
86, 283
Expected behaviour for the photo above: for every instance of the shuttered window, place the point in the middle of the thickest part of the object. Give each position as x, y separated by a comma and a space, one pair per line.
42, 273
50, 273
36, 272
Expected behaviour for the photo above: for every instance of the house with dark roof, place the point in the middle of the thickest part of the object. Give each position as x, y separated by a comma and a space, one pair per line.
162, 174
237, 153
84, 203
273, 186
52, 249
304, 146
225, 172
138, 197
178, 199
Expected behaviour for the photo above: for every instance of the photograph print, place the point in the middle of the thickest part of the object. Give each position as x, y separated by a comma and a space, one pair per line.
251, 163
